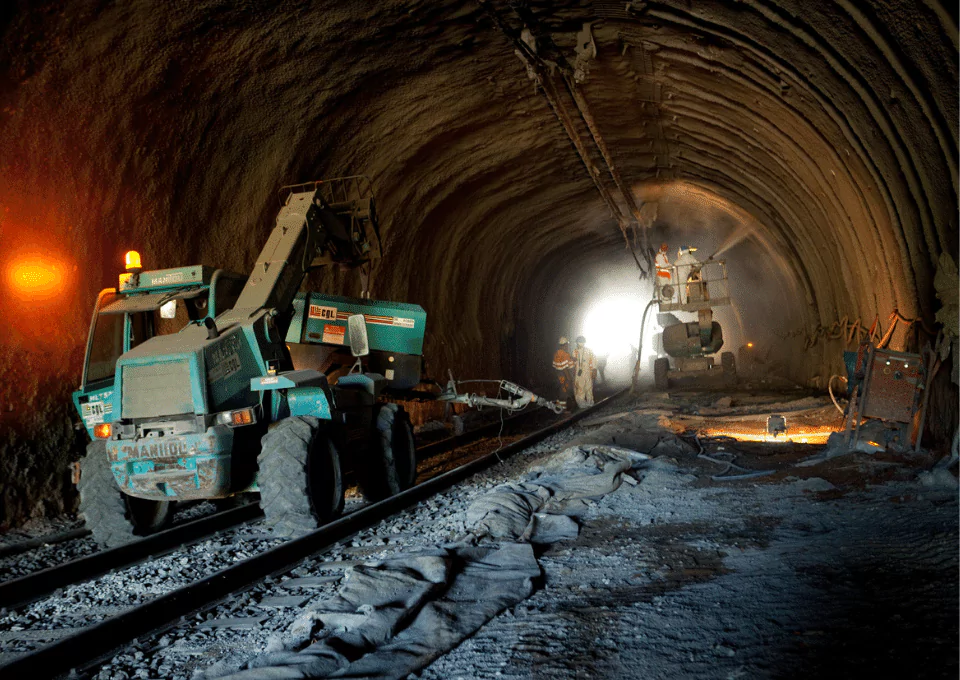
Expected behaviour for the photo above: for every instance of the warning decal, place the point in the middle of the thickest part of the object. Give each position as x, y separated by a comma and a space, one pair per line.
223, 359
333, 314
321, 312
94, 411
377, 319
334, 334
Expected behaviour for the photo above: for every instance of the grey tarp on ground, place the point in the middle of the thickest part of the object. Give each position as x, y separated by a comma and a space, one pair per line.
393, 617
581, 472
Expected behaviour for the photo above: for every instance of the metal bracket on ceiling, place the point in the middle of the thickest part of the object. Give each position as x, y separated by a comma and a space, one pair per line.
544, 74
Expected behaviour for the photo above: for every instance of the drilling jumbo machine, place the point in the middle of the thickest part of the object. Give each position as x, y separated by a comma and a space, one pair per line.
203, 384
692, 287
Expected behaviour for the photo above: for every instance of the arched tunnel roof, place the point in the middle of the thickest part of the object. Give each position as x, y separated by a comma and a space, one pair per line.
503, 140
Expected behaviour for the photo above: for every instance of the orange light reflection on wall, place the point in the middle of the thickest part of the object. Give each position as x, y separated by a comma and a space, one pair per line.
35, 278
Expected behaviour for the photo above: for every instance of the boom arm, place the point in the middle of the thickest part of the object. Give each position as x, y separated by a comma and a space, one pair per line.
309, 232
284, 260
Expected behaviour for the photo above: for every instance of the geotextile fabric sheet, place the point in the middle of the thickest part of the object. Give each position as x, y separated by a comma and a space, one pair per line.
393, 617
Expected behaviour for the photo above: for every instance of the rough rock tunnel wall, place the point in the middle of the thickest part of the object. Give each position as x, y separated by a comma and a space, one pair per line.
168, 127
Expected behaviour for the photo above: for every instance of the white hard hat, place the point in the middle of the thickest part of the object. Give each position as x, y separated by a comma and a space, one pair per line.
563, 341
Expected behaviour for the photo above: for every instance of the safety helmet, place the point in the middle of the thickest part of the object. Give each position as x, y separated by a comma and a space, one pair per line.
664, 247
581, 339
563, 341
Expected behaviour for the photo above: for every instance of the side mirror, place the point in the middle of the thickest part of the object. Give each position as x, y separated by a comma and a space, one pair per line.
357, 327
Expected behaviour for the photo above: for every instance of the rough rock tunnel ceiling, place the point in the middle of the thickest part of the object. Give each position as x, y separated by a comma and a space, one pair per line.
831, 127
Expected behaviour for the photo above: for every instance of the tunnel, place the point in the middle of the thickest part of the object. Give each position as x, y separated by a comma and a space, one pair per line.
528, 159
828, 136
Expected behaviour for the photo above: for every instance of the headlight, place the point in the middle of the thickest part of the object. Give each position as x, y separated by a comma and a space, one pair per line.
244, 416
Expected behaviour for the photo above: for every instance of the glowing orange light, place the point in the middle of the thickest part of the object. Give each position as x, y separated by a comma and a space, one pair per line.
132, 259
102, 431
799, 435
35, 278
749, 344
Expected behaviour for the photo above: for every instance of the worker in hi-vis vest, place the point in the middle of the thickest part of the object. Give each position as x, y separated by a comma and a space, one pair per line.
663, 265
686, 263
563, 364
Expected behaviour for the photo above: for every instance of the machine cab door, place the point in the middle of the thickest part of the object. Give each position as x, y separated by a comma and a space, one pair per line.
105, 344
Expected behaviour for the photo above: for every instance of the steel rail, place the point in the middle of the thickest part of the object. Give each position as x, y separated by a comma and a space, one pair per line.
440, 446
32, 587
26, 589
34, 543
98, 641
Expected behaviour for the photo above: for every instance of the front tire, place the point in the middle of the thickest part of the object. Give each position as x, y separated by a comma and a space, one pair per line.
391, 466
113, 517
300, 483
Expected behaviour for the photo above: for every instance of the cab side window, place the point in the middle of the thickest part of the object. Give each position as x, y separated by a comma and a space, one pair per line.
107, 344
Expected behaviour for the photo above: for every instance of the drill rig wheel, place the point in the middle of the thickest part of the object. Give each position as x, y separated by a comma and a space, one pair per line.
111, 516
299, 477
392, 466
661, 367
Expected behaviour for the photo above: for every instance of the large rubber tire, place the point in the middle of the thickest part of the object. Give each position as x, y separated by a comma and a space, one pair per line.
111, 516
391, 466
728, 364
661, 368
300, 483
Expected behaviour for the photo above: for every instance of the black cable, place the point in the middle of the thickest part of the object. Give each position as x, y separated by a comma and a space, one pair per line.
643, 323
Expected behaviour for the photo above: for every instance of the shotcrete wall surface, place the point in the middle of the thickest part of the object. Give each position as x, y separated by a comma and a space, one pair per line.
828, 129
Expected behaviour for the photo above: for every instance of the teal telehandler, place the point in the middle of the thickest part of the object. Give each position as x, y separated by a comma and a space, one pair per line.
204, 384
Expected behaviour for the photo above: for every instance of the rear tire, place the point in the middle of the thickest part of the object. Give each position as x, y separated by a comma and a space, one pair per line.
300, 483
113, 517
728, 364
391, 466
660, 369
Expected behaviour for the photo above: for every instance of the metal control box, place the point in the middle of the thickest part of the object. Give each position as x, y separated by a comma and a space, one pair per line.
895, 385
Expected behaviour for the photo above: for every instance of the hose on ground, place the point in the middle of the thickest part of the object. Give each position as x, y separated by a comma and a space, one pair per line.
833, 398
744, 473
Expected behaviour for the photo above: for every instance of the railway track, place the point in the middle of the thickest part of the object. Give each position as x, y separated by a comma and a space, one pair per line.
35, 543
23, 590
26, 589
87, 646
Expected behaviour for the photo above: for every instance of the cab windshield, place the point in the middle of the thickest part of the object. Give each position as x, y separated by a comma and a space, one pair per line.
107, 341
171, 318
